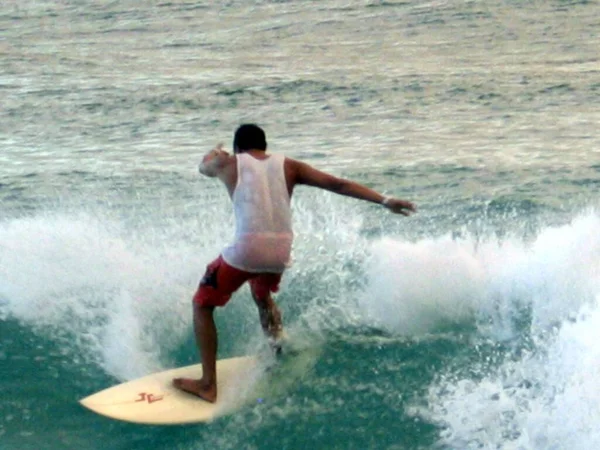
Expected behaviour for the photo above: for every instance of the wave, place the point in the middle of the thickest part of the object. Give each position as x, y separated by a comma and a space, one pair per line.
116, 295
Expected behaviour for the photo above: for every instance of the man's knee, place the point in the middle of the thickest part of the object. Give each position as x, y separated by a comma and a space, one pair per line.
203, 310
260, 296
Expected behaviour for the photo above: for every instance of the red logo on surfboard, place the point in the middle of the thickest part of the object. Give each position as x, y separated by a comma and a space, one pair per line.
150, 398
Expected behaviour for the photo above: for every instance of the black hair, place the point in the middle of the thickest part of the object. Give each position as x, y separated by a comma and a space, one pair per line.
249, 137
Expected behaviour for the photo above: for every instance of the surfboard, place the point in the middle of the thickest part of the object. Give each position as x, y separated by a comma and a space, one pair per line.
153, 400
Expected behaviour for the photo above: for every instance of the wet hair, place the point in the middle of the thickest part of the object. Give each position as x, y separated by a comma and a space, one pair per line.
249, 137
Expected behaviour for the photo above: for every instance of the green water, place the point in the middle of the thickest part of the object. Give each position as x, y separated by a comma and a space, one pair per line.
472, 324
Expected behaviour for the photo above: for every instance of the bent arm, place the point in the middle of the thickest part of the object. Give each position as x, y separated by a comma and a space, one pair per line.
305, 174
213, 162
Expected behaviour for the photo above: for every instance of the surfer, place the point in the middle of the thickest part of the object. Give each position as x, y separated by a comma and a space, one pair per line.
260, 185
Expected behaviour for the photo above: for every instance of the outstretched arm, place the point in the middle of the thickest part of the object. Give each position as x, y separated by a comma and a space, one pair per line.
306, 174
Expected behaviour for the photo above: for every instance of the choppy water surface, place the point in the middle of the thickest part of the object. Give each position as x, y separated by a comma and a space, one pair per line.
472, 324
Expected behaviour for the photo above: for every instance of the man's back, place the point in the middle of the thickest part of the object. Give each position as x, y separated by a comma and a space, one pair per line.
261, 202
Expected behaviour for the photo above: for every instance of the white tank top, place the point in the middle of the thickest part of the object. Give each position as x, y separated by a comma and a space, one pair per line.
263, 218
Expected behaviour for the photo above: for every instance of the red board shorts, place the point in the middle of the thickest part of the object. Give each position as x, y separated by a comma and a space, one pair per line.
221, 280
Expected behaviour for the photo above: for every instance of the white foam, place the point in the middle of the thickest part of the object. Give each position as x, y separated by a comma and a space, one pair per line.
98, 287
548, 397
414, 287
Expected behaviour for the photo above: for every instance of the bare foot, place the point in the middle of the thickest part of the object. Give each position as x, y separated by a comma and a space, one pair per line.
275, 347
199, 388
277, 343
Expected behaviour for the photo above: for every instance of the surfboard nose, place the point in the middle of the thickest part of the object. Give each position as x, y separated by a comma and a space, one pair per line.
153, 399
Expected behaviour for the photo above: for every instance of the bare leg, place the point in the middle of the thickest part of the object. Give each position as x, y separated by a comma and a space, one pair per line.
206, 339
270, 319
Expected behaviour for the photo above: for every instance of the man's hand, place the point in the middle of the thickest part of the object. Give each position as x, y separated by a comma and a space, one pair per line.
398, 206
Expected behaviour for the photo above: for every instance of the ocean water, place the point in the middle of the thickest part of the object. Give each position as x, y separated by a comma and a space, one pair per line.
470, 325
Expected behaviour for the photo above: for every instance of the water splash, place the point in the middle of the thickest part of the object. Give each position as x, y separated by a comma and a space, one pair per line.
88, 284
543, 392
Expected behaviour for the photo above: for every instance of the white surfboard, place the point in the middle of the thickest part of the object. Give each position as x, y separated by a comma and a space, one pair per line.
153, 400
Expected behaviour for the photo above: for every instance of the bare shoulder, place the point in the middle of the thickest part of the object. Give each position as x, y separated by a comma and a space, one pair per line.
227, 166
293, 169
227, 160
302, 173
226, 171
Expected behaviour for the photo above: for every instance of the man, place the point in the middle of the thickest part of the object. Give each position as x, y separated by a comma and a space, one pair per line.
260, 186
